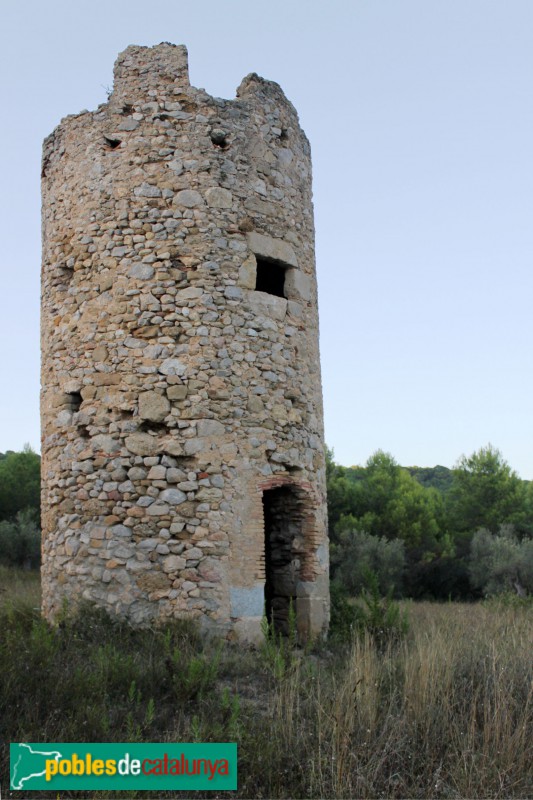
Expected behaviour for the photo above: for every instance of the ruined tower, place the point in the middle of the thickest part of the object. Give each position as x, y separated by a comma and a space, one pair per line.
182, 432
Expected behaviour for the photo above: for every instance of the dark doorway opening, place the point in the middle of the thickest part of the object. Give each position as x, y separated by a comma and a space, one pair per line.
283, 555
270, 277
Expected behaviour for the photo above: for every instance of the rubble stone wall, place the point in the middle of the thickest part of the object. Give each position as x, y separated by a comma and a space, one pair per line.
174, 394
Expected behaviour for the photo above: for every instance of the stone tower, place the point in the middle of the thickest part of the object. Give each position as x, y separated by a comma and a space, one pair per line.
182, 429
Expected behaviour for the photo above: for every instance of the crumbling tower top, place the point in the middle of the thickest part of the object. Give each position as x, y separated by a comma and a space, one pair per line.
141, 70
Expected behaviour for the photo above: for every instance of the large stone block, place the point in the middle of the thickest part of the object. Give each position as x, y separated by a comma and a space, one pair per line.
267, 305
141, 444
209, 427
247, 601
153, 406
270, 248
218, 198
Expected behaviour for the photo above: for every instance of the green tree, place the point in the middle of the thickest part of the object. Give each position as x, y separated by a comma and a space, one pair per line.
20, 482
341, 492
386, 503
389, 503
487, 493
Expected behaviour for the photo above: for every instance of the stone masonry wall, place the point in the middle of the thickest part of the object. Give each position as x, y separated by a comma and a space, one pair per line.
174, 394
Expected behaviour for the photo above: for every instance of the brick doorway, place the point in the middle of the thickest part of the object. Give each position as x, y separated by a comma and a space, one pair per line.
284, 554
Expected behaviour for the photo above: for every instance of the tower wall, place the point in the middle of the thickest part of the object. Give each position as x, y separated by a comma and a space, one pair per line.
177, 393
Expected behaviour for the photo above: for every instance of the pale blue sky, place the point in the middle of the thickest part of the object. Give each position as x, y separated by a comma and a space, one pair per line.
420, 119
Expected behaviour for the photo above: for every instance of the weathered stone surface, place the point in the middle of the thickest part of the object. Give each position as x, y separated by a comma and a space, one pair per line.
173, 496
189, 198
152, 581
157, 473
120, 531
268, 305
177, 392
147, 190
158, 510
173, 447
181, 407
193, 446
255, 405
209, 427
72, 546
173, 564
207, 493
153, 406
298, 285
105, 444
175, 475
141, 271
191, 293
248, 272
141, 444
275, 249
137, 474
173, 366
233, 293
218, 198
247, 602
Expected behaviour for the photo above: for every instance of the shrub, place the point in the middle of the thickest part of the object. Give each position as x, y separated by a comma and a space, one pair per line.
20, 540
374, 614
500, 563
358, 552
20, 482
382, 617
345, 615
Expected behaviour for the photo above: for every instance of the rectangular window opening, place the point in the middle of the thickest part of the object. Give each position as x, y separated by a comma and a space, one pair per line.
270, 277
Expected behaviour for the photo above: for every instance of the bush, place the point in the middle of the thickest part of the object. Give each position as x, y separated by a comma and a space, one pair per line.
345, 615
500, 563
381, 617
20, 540
358, 553
375, 614
94, 678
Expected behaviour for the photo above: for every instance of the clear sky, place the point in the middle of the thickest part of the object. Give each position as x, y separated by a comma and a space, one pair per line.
420, 118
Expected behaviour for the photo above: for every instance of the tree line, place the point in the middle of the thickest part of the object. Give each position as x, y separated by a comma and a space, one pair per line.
420, 532
431, 533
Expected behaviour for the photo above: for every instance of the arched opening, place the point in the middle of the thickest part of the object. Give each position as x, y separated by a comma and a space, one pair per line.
284, 554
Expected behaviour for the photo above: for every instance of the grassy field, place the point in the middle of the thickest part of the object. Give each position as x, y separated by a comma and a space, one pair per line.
446, 712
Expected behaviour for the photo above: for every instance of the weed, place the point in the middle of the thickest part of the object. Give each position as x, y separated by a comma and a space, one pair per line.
279, 651
382, 617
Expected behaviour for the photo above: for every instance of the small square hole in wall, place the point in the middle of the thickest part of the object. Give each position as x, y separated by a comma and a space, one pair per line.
73, 401
270, 277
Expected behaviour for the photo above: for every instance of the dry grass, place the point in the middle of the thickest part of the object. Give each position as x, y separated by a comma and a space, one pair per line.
447, 712
19, 587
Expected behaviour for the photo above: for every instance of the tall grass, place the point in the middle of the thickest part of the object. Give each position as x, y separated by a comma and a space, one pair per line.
446, 712
19, 587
